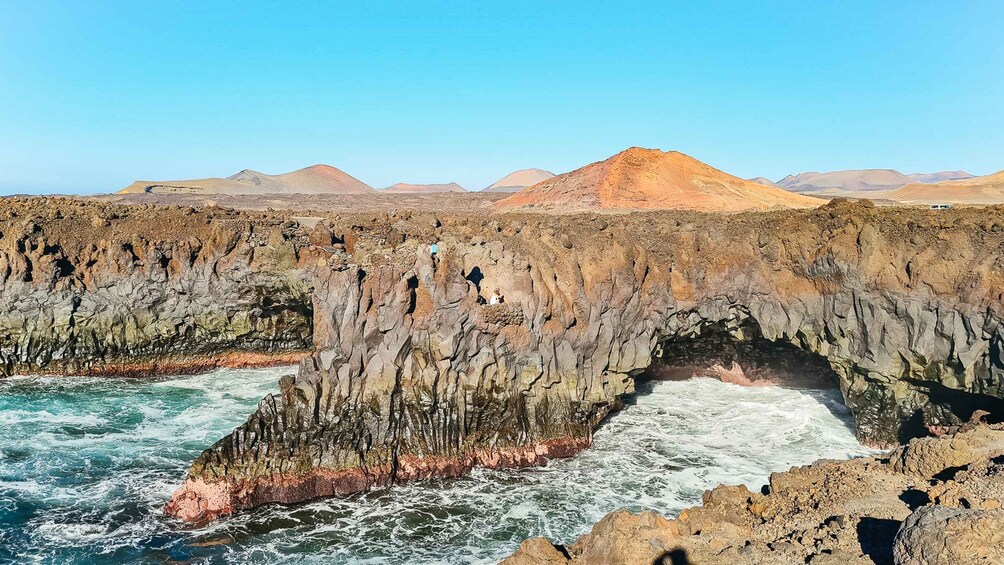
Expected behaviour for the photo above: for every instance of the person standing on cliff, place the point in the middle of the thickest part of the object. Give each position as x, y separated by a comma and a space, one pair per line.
434, 253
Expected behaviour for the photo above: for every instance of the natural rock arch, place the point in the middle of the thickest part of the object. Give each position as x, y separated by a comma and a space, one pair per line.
411, 381
736, 351
891, 357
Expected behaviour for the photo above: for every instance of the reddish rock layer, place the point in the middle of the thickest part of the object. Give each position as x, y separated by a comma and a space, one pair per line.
188, 366
198, 500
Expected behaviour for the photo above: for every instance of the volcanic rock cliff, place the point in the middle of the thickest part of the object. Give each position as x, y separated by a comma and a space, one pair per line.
413, 377
91, 288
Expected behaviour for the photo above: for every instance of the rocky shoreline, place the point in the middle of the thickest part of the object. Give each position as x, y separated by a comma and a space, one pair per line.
411, 377
934, 501
201, 501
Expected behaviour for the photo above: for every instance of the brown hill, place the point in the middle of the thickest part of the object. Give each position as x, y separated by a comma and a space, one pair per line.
317, 179
763, 180
652, 179
402, 187
987, 189
323, 179
266, 183
518, 180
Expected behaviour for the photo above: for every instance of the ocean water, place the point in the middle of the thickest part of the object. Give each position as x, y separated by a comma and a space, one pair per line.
86, 464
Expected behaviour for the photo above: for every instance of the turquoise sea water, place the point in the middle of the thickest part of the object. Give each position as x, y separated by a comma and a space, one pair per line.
86, 465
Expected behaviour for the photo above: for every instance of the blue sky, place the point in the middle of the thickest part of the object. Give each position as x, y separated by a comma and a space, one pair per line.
94, 95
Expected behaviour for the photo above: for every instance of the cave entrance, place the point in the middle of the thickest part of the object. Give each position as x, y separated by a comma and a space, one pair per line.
740, 355
789, 391
737, 352
681, 428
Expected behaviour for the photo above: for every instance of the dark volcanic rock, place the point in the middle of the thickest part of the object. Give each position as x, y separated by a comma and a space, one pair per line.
147, 290
413, 378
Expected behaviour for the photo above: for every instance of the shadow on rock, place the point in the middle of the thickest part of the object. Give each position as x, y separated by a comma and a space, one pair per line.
675, 557
876, 536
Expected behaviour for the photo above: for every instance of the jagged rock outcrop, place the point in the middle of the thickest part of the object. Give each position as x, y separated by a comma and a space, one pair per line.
412, 379
896, 509
99, 289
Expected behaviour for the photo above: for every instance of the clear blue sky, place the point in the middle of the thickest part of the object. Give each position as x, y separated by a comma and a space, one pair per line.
94, 95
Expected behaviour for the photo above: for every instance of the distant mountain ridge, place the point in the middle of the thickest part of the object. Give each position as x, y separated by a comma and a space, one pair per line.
403, 187
988, 189
316, 179
265, 182
940, 176
862, 180
325, 179
518, 180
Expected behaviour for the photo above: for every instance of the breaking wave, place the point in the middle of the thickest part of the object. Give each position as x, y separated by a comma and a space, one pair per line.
86, 464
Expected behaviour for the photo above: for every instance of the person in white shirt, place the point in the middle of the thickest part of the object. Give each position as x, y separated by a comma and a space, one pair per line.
497, 297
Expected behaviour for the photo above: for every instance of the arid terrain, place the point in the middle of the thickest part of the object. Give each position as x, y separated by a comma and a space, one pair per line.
316, 179
633, 179
865, 180
888, 187
309, 203
651, 179
403, 187
987, 189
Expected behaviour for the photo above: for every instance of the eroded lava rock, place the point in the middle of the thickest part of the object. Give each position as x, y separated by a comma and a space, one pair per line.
89, 288
413, 378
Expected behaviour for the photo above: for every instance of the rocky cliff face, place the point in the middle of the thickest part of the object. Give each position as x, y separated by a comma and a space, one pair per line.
413, 378
96, 289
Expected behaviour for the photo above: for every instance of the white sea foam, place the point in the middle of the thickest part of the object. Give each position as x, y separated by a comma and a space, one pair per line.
88, 463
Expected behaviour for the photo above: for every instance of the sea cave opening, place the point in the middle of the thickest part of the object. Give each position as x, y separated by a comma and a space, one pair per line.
741, 355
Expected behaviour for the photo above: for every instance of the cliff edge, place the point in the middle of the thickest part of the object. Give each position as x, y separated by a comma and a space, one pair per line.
414, 378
